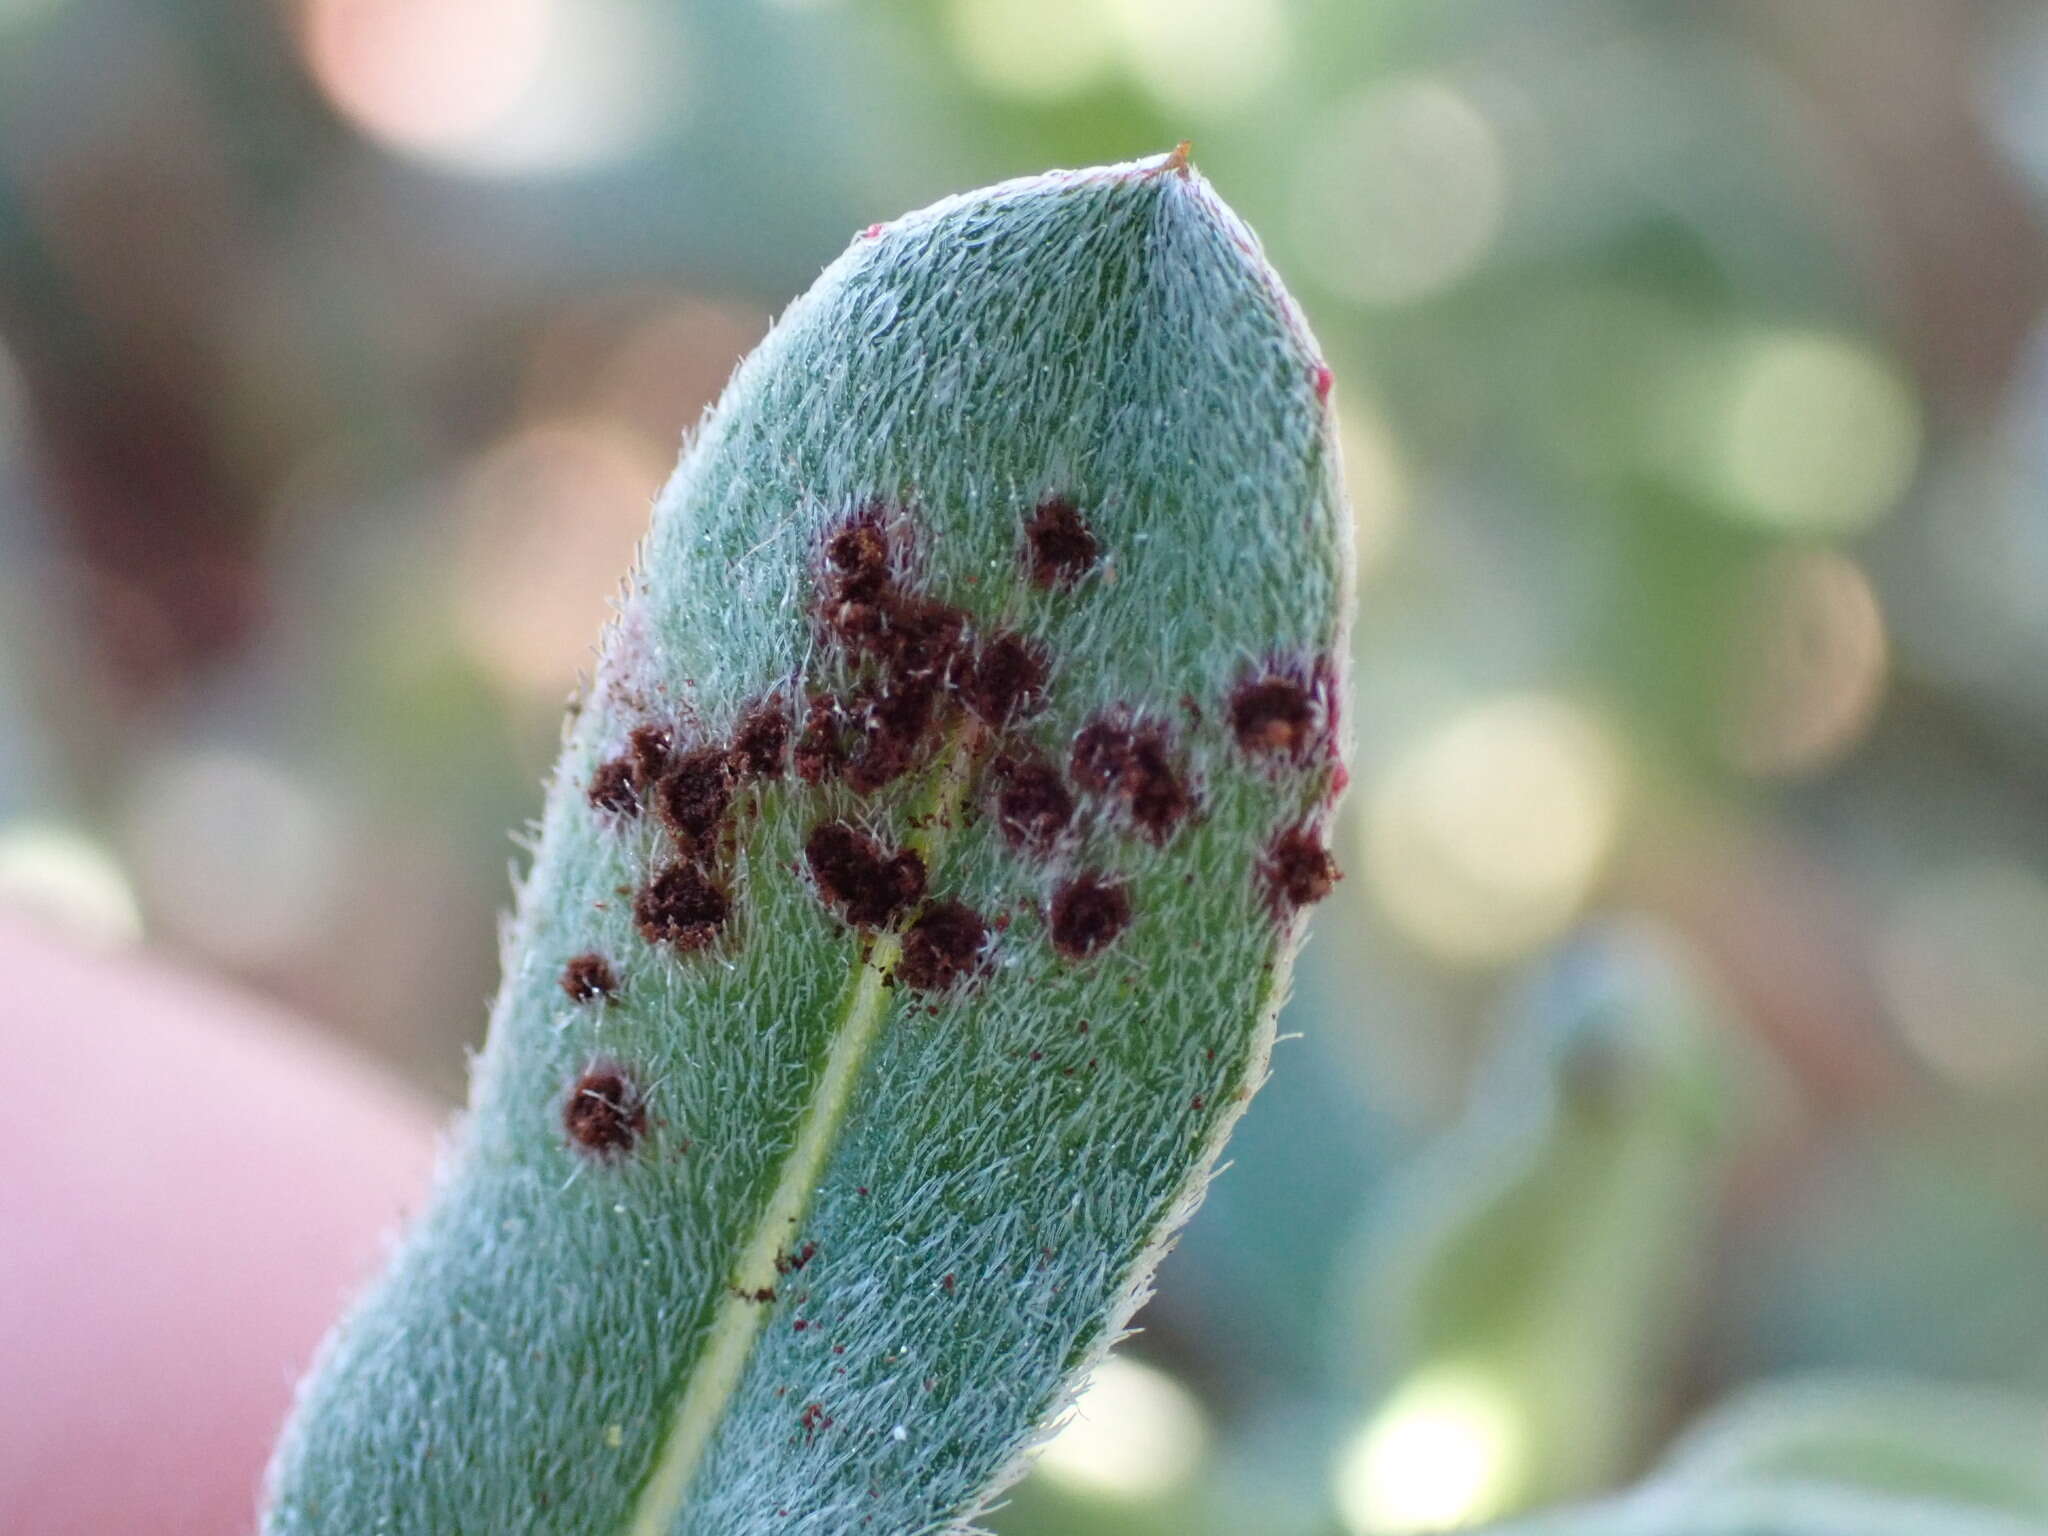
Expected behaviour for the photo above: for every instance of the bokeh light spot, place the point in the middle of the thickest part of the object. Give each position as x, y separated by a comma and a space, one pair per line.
1810, 665
1033, 48
549, 517
1400, 193
1963, 964
1444, 1452
1203, 57
1136, 1433
1798, 431
234, 855
1485, 837
63, 877
494, 87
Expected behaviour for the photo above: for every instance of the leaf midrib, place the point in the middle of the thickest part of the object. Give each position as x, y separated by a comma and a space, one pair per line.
722, 1361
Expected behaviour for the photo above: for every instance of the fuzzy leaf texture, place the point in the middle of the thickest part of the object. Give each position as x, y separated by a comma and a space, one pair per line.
911, 906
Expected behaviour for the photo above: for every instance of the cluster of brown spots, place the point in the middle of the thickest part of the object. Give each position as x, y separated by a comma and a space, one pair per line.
764, 1294
1297, 870
1280, 714
686, 903
1088, 913
1033, 804
924, 660
683, 905
942, 947
589, 976
694, 795
1059, 549
853, 872
1133, 761
813, 1419
865, 609
790, 1263
604, 1112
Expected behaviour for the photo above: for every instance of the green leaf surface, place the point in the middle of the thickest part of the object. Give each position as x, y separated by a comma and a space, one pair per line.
907, 1038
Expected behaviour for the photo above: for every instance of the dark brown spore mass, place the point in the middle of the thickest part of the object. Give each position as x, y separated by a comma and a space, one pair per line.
1061, 550
863, 608
649, 747
604, 1114
1298, 870
615, 787
761, 741
1158, 799
682, 906
1088, 913
894, 717
589, 976
854, 874
694, 794
1033, 805
942, 947
820, 752
1101, 752
1273, 716
1005, 679
1114, 756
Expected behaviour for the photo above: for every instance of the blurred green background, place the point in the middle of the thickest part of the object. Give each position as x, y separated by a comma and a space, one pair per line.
1682, 1024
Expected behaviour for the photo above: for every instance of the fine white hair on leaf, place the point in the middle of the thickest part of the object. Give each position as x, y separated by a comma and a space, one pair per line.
1040, 473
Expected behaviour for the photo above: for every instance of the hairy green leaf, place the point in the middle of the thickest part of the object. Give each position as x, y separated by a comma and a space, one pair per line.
912, 902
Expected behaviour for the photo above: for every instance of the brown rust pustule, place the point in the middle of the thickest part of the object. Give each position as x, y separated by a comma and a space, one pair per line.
1132, 761
760, 743
605, 1113
1297, 870
1101, 749
1059, 549
1277, 714
1033, 803
589, 976
1088, 913
856, 876
694, 795
943, 947
1153, 790
895, 717
820, 752
682, 905
649, 746
615, 787
1004, 680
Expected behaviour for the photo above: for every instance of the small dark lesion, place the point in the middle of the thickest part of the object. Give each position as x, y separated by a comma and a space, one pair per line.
1089, 913
943, 947
615, 787
1297, 870
683, 905
1033, 804
865, 883
1059, 547
589, 976
1133, 762
605, 1112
